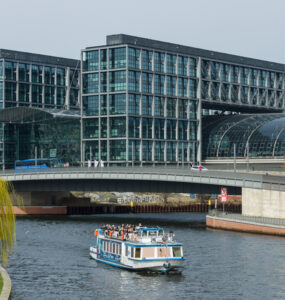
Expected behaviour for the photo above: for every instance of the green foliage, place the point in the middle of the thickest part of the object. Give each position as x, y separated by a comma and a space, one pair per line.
7, 219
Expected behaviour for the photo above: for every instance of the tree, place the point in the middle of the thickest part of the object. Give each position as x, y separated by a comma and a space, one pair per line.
7, 219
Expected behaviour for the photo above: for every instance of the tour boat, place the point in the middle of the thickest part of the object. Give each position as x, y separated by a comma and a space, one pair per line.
142, 249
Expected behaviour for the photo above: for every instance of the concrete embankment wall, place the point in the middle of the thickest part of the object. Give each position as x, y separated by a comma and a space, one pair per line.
263, 203
7, 285
243, 226
40, 210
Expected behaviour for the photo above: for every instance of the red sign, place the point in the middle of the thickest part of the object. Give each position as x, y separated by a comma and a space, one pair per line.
224, 194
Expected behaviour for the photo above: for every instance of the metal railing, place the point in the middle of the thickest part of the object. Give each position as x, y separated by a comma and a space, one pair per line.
249, 219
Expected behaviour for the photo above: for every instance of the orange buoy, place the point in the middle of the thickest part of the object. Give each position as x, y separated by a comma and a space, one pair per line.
110, 233
122, 236
96, 232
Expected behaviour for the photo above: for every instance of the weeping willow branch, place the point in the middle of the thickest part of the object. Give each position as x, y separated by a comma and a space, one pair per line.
7, 218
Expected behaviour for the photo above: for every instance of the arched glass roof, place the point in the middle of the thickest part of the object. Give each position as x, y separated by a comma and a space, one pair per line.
264, 134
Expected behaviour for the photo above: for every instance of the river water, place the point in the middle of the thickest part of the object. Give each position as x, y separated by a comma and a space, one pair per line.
51, 261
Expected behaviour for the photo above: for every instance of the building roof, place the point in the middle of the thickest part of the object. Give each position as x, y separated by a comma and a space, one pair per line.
38, 58
118, 39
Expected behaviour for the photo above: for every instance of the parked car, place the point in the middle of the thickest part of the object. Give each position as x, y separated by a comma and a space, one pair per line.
199, 168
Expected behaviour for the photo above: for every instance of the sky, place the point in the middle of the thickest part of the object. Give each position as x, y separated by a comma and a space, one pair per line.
252, 28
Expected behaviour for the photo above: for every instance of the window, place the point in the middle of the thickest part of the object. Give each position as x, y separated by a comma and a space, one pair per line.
171, 107
146, 60
117, 81
118, 127
37, 74
126, 251
91, 105
49, 75
182, 87
134, 127
176, 251
117, 58
60, 76
147, 150
147, 128
10, 91
192, 67
171, 85
134, 104
60, 97
24, 92
90, 128
138, 253
134, 58
103, 103
159, 84
117, 104
146, 83
90, 83
24, 72
171, 64
159, 106
36, 93
49, 95
91, 60
103, 59
117, 150
171, 129
182, 130
159, 62
134, 81
159, 128
182, 65
10, 70
103, 82
147, 105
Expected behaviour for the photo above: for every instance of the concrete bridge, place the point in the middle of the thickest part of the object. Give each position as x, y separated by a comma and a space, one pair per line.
261, 193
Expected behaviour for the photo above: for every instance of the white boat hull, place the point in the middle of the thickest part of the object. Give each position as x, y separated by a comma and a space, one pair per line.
154, 265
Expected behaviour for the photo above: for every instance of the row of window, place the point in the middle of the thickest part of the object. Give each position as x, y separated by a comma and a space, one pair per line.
140, 150
37, 93
139, 128
114, 58
139, 82
247, 95
139, 105
37, 74
242, 75
111, 247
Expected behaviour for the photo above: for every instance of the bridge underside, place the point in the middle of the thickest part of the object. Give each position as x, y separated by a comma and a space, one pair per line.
101, 185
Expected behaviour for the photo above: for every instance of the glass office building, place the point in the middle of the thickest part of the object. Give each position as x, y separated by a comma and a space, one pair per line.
142, 99
32, 87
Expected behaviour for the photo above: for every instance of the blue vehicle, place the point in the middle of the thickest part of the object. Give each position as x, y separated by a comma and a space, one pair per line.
37, 164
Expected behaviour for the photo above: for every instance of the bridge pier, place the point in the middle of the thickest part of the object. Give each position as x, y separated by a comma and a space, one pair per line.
263, 203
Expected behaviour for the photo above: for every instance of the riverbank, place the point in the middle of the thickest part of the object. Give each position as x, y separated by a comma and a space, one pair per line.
238, 222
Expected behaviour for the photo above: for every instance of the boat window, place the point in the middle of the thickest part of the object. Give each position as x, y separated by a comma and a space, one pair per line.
120, 249
138, 253
108, 247
160, 233
132, 252
176, 252
126, 253
144, 233
114, 248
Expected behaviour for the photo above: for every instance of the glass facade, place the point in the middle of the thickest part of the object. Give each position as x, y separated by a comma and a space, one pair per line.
146, 112
263, 135
45, 84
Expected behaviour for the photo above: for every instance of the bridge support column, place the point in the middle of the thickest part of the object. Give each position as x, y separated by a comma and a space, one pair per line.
263, 203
